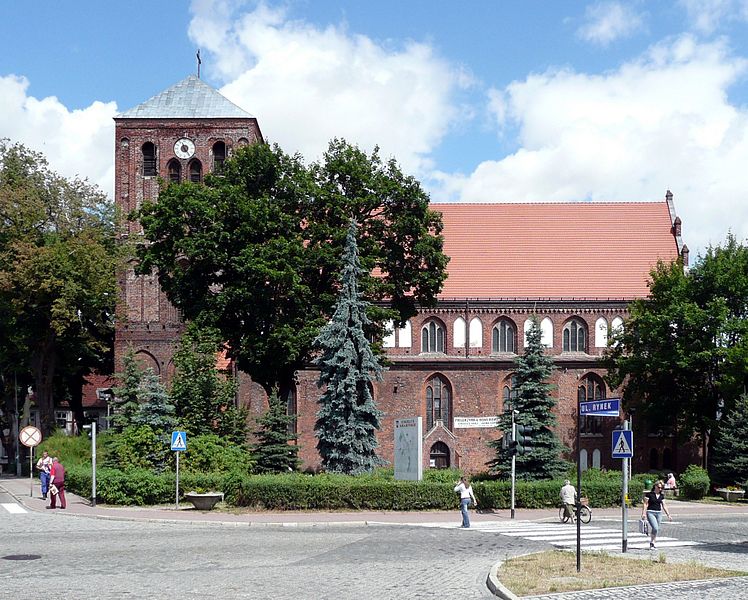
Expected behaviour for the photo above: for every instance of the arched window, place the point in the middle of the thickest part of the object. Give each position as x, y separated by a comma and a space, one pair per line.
404, 336
438, 403
509, 393
583, 459
219, 156
149, 160
432, 337
196, 171
476, 333
575, 336
667, 458
175, 170
591, 388
601, 333
242, 141
596, 458
504, 336
439, 456
458, 333
291, 408
389, 335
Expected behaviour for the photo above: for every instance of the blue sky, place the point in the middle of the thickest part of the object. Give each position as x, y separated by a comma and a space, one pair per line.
520, 101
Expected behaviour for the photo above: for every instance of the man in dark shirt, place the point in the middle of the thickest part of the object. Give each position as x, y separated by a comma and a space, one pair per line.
57, 478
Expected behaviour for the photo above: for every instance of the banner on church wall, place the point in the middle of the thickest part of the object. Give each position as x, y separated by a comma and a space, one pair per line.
409, 448
475, 422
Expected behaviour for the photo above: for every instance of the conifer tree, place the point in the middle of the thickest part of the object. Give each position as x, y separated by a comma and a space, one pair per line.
534, 404
730, 454
348, 418
272, 453
155, 408
126, 395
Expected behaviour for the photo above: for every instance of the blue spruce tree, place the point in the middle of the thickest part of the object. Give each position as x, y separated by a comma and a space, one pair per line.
348, 418
534, 404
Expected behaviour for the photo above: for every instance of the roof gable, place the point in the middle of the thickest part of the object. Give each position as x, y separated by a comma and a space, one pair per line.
581, 250
191, 98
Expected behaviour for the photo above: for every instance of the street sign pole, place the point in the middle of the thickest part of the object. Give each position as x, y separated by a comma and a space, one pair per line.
178, 444
31, 471
177, 498
579, 489
624, 499
514, 460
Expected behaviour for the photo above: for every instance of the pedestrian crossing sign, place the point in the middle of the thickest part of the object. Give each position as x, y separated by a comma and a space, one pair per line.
623, 443
179, 441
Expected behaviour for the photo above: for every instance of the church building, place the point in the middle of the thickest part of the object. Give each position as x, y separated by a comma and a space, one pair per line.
576, 265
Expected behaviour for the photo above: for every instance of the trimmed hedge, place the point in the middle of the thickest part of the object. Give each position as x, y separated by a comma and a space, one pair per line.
694, 483
331, 492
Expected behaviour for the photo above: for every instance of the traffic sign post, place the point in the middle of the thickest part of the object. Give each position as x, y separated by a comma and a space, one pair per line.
622, 446
30, 437
178, 444
607, 407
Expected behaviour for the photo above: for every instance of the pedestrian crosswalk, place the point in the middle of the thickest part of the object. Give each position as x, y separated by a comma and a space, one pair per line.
13, 507
565, 535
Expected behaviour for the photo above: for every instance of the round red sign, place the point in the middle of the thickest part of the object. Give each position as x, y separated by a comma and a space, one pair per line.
30, 436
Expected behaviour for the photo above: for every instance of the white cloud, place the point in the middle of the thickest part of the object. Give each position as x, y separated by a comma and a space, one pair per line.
76, 143
609, 21
307, 85
708, 15
663, 121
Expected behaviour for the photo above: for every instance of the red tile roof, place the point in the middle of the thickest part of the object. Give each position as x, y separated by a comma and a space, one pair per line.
583, 250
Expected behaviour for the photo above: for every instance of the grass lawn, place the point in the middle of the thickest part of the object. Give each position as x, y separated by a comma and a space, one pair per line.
556, 571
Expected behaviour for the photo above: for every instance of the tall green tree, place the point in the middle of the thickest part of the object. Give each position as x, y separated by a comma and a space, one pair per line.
57, 277
205, 398
348, 419
273, 452
255, 252
125, 403
682, 355
730, 456
534, 404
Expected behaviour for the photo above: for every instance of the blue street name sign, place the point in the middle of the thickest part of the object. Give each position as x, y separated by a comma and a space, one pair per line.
623, 444
610, 407
179, 441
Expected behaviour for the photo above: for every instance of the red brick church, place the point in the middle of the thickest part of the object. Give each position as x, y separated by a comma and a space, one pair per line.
574, 265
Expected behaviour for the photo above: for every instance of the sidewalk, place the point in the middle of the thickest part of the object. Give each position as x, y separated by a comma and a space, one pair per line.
19, 488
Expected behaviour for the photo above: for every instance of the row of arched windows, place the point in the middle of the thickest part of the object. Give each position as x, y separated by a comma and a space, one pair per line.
574, 336
174, 166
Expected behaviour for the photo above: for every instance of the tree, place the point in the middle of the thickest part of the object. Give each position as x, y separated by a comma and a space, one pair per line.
255, 252
534, 405
155, 408
348, 418
57, 277
125, 402
273, 453
730, 456
682, 353
205, 399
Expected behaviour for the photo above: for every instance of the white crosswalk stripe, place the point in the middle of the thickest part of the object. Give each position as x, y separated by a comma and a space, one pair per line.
565, 535
12, 507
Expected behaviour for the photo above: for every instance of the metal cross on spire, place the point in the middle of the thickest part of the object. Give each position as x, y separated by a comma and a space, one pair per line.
199, 62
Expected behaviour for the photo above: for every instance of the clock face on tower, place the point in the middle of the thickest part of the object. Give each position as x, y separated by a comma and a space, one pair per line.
184, 148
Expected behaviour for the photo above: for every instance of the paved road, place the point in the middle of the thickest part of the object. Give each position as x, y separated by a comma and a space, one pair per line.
189, 557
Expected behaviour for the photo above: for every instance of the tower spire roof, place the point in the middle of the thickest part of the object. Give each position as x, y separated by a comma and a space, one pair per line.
191, 98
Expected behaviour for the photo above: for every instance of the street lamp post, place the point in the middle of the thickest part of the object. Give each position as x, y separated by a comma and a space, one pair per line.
514, 456
92, 427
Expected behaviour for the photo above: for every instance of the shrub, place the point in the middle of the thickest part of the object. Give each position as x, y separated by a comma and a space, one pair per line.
138, 447
72, 450
209, 453
694, 483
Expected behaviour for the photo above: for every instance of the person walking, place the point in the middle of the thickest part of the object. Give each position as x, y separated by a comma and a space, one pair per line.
466, 495
568, 496
653, 507
57, 478
44, 464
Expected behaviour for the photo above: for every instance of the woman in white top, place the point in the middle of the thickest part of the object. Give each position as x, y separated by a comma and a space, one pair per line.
466, 495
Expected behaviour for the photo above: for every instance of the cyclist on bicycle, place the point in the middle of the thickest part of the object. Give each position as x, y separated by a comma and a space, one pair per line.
569, 498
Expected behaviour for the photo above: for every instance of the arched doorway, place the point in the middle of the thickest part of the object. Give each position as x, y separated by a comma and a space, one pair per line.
439, 456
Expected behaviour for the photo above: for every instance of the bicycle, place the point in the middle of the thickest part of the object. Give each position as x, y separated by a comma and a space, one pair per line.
585, 514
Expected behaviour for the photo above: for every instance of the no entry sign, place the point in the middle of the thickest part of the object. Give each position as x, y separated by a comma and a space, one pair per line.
30, 436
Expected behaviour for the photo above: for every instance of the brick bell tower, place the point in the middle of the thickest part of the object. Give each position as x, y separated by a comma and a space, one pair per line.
179, 135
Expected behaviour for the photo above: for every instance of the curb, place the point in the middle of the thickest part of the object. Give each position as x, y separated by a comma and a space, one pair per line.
496, 587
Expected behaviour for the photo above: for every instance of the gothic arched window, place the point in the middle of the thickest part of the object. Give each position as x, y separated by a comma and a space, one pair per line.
432, 337
149, 160
196, 171
219, 156
175, 171
591, 388
575, 336
438, 403
504, 336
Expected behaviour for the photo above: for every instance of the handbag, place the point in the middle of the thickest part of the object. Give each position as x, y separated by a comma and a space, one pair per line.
53, 489
643, 526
